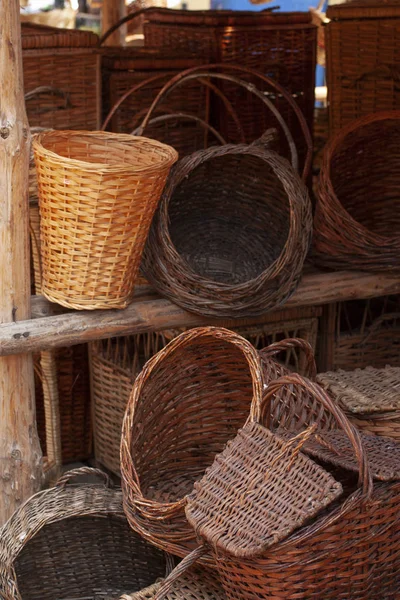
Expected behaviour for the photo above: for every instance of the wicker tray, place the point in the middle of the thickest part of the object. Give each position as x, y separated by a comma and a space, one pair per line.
61, 77
73, 541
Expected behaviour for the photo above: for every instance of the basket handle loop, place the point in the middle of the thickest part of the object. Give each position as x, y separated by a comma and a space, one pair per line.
183, 566
299, 343
175, 116
83, 471
51, 91
260, 413
378, 322
118, 24
267, 138
204, 72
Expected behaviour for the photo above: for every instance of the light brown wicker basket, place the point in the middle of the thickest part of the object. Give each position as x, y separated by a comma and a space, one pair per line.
97, 195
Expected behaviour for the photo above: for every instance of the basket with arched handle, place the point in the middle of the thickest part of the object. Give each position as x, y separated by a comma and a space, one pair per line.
351, 548
73, 541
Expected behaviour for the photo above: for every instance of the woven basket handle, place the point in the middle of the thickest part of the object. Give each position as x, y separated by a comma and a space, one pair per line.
284, 345
183, 566
184, 116
377, 323
83, 472
51, 91
260, 413
206, 71
118, 24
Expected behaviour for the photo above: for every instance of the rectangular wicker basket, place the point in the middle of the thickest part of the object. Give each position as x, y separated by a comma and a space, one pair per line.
360, 333
61, 77
115, 363
362, 49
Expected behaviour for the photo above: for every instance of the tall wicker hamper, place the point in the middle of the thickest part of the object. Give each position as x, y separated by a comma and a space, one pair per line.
124, 68
359, 333
61, 77
363, 59
115, 363
281, 45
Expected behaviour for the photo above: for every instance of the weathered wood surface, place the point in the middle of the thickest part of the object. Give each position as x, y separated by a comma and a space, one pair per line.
149, 312
20, 455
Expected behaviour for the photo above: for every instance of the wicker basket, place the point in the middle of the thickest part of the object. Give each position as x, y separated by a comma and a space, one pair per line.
195, 584
93, 230
115, 363
61, 77
356, 222
73, 541
359, 333
369, 397
231, 233
362, 41
351, 550
187, 402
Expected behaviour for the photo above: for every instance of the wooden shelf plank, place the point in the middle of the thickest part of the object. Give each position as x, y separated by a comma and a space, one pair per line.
149, 312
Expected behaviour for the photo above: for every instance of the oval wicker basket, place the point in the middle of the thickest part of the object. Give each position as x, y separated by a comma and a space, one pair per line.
97, 195
187, 402
231, 233
73, 541
350, 550
357, 215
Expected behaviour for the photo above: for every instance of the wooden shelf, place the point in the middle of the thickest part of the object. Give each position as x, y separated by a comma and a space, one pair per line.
53, 326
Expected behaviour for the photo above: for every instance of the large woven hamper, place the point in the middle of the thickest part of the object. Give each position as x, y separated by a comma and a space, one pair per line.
115, 363
94, 228
73, 541
359, 333
362, 50
61, 77
281, 45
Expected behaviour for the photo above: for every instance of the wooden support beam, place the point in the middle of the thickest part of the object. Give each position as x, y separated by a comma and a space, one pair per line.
20, 455
112, 11
151, 313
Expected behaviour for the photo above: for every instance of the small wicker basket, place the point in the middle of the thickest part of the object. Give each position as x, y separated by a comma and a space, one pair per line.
73, 541
98, 192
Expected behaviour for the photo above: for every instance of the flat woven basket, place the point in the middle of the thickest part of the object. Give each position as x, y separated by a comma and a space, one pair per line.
73, 541
187, 402
356, 220
370, 397
195, 584
231, 233
98, 192
350, 550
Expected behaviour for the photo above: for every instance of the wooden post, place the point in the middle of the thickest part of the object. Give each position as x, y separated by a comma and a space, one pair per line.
111, 12
20, 454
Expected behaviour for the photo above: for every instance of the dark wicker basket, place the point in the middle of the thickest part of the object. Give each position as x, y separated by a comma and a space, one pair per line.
61, 77
357, 214
231, 232
362, 42
73, 541
350, 550
187, 402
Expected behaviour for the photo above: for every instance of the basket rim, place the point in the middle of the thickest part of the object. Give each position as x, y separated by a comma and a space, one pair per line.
178, 175
325, 186
39, 148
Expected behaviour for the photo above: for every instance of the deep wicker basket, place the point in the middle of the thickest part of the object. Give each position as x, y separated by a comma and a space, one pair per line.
350, 550
369, 397
231, 233
73, 541
356, 218
362, 41
187, 402
93, 230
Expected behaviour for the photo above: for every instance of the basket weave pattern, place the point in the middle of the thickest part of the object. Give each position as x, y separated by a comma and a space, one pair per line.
98, 192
